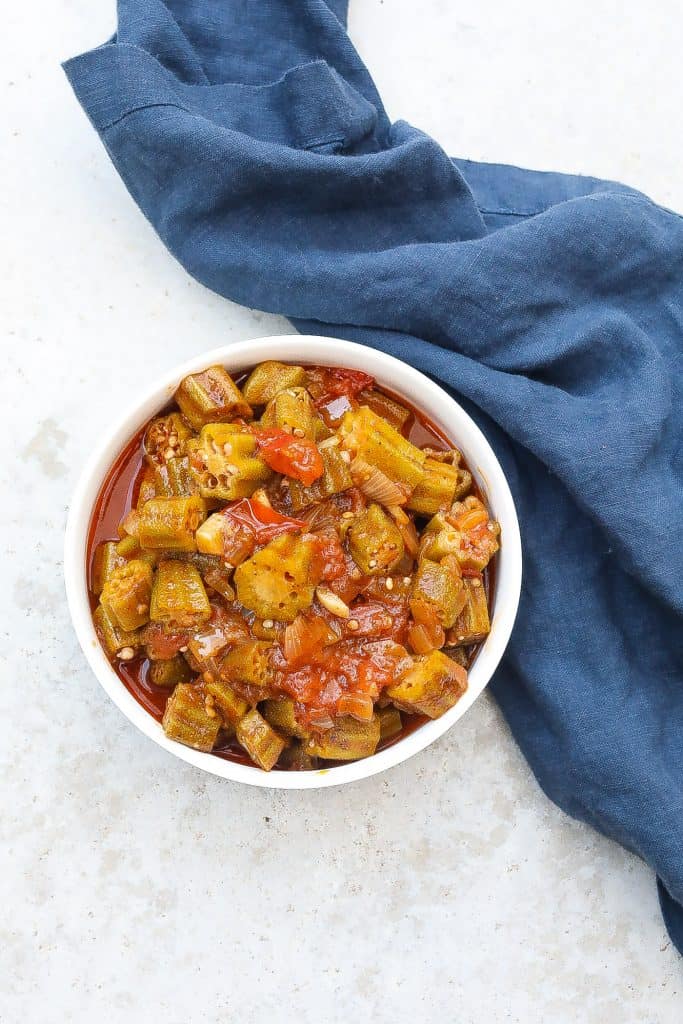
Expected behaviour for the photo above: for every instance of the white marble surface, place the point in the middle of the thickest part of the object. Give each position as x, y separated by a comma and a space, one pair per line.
132, 887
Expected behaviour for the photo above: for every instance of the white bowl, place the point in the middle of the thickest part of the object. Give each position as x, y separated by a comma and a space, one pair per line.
398, 377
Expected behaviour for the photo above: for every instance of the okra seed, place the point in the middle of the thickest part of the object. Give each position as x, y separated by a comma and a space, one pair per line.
389, 583
372, 563
406, 580
183, 649
476, 583
268, 623
126, 654
353, 625
347, 515
142, 609
460, 638
227, 448
208, 677
298, 432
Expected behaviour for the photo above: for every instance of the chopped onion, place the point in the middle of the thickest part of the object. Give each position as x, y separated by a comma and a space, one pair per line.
375, 484
357, 705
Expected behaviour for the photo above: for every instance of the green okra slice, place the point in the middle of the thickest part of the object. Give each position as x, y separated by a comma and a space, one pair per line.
368, 436
260, 741
111, 636
375, 541
211, 397
335, 479
473, 624
249, 664
147, 489
439, 585
178, 596
279, 712
436, 490
164, 439
126, 594
170, 524
278, 581
174, 479
268, 378
188, 720
430, 687
292, 410
169, 672
226, 464
231, 706
347, 740
388, 408
390, 723
295, 758
107, 558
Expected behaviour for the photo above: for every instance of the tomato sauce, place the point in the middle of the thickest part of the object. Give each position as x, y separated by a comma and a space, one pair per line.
118, 495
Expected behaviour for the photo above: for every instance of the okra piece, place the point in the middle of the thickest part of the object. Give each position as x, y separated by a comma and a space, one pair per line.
439, 539
430, 687
174, 479
440, 585
264, 382
126, 594
170, 524
463, 484
390, 723
107, 558
292, 410
347, 740
110, 634
472, 625
211, 397
262, 743
335, 479
436, 490
231, 706
368, 436
375, 542
295, 758
249, 664
147, 489
170, 672
278, 581
389, 409
225, 463
178, 596
188, 720
280, 714
164, 439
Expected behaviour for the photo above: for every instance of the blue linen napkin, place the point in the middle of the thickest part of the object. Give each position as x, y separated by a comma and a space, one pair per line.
253, 138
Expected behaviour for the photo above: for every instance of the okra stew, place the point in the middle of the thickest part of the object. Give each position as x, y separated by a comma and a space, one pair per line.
292, 568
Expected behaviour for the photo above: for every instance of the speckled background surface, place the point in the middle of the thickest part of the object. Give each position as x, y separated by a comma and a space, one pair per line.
133, 888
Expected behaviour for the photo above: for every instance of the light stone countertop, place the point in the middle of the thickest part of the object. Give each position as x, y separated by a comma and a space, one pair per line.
133, 888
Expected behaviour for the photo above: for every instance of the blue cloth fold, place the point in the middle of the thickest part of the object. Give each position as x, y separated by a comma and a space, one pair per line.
253, 138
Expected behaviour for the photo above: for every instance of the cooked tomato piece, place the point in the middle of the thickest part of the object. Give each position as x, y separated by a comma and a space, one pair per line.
292, 456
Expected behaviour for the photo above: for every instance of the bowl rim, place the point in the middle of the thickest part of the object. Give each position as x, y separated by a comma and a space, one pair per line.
404, 380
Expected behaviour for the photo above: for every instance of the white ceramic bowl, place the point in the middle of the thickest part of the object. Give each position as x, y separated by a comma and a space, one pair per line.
397, 377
